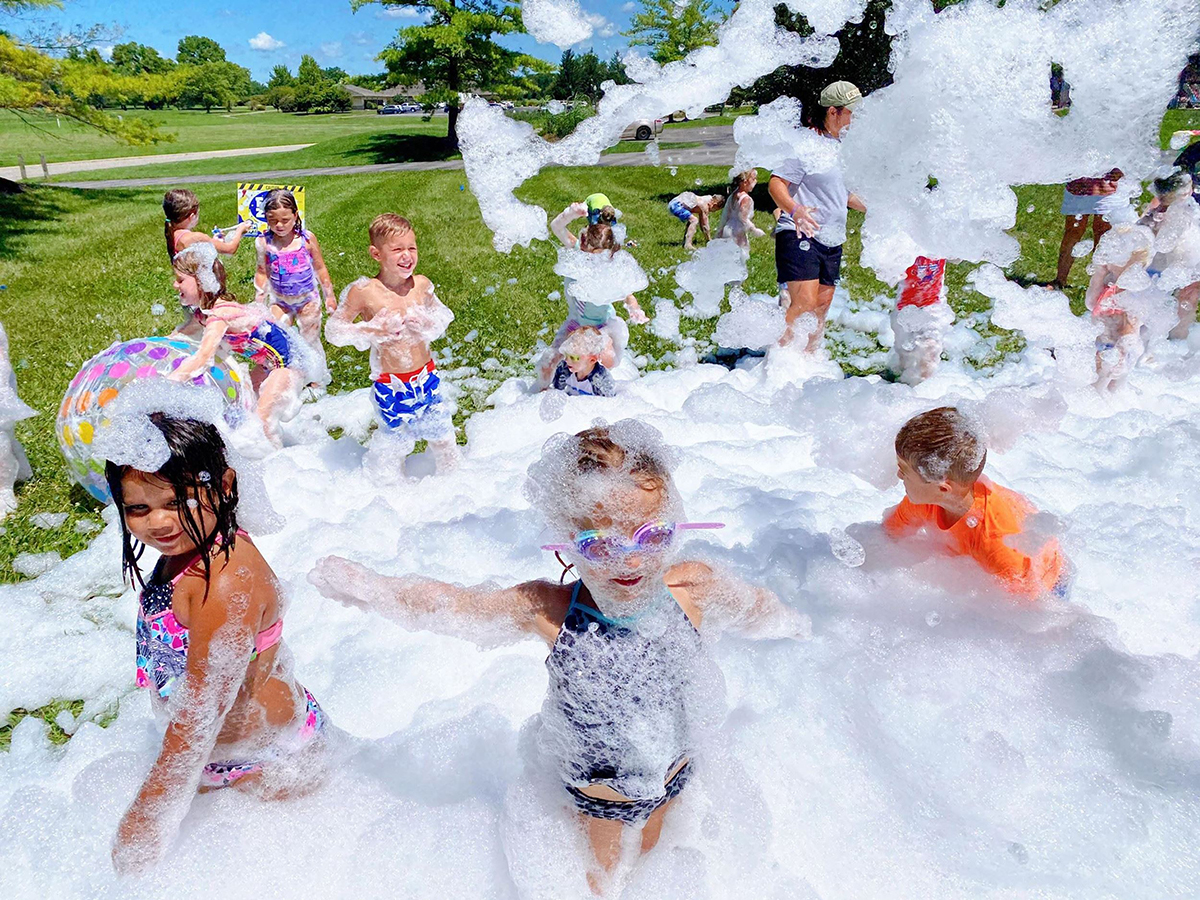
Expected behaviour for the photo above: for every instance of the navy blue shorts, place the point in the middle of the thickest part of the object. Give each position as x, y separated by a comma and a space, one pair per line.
803, 259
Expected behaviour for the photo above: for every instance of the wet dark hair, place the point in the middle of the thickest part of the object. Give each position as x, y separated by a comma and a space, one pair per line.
599, 236
178, 204
195, 470
284, 199
1177, 182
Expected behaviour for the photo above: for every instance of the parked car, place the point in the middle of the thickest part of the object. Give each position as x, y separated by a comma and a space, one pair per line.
389, 110
411, 107
642, 130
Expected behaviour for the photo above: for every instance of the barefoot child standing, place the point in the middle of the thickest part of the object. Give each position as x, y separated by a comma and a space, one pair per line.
396, 315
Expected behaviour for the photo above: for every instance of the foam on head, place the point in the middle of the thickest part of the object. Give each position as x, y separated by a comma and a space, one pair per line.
943, 444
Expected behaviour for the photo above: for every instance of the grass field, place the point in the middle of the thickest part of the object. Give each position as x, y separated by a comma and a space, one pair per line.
193, 130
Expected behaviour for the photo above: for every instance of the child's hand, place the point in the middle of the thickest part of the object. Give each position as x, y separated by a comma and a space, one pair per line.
637, 316
330, 300
243, 227
579, 208
344, 581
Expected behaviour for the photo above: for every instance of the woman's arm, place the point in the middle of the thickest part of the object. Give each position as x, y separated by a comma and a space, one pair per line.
483, 614
214, 333
780, 191
730, 603
322, 273
220, 642
565, 218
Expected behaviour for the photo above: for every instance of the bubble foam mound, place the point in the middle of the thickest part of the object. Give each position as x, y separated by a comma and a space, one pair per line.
932, 734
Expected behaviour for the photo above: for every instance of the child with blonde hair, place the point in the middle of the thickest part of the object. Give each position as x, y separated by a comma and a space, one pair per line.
633, 689
940, 456
281, 363
400, 317
580, 371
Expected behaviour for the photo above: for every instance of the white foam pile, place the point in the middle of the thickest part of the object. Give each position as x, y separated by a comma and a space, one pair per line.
932, 733
560, 22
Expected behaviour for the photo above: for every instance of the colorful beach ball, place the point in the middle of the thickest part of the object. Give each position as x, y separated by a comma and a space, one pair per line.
82, 414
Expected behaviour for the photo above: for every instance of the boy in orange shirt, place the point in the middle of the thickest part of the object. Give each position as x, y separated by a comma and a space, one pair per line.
941, 459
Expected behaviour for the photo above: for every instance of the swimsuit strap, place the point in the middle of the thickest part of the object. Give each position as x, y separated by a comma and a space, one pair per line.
196, 558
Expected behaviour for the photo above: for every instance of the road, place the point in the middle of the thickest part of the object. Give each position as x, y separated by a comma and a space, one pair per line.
717, 148
34, 169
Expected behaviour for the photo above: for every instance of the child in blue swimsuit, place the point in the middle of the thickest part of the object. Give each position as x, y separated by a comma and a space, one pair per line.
209, 642
632, 687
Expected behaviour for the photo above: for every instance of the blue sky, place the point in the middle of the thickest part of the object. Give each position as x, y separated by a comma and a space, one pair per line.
259, 35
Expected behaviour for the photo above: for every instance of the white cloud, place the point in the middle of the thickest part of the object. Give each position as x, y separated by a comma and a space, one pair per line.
601, 25
401, 12
629, 7
105, 50
331, 50
263, 41
360, 38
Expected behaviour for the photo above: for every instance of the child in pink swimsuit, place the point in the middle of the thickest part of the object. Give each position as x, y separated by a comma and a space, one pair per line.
290, 267
209, 642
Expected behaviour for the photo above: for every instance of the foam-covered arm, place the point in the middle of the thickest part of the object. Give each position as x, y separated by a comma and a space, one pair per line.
340, 328
746, 213
220, 643
565, 218
731, 604
214, 333
483, 614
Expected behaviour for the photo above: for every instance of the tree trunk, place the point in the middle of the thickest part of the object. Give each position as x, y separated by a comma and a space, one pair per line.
452, 127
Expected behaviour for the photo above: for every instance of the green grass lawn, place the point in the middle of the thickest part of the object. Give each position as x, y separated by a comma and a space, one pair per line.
192, 130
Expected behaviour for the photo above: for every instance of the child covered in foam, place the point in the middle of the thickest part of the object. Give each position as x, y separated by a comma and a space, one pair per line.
941, 455
920, 320
1175, 222
280, 360
400, 317
580, 372
737, 216
633, 689
14, 466
593, 280
209, 633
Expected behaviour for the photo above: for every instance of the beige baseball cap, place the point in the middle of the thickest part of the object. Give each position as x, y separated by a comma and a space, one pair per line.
841, 93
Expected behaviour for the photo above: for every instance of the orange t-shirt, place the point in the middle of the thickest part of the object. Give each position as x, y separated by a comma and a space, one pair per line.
996, 514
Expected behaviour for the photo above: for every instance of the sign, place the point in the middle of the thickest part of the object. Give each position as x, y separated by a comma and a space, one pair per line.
252, 197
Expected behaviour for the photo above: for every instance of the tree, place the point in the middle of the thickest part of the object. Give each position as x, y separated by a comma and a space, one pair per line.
673, 28
582, 76
195, 50
309, 72
213, 84
454, 51
31, 87
133, 59
335, 74
280, 77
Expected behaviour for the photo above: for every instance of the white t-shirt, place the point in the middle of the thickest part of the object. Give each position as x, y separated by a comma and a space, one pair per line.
824, 190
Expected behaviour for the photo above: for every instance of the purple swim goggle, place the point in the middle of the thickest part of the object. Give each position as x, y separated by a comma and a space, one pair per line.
596, 545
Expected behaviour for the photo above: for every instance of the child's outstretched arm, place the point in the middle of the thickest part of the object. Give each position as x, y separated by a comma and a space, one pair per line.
565, 218
322, 273
746, 213
230, 246
220, 643
730, 603
483, 614
636, 314
214, 333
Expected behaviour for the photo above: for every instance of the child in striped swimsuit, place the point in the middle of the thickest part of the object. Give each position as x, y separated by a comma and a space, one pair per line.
401, 316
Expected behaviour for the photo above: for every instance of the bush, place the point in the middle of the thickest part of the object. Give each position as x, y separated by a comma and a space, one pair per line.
561, 124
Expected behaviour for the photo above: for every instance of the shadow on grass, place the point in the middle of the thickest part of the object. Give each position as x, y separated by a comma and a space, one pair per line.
24, 214
401, 148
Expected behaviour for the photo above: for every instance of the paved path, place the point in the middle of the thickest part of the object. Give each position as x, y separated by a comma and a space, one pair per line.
717, 148
34, 169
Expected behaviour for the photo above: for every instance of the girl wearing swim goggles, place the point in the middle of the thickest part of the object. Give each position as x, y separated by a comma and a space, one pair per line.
632, 687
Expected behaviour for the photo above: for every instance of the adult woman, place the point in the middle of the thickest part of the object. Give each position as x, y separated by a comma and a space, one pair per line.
1084, 199
812, 226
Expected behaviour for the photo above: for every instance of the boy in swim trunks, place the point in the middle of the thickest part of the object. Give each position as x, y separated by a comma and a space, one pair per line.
693, 211
941, 457
400, 316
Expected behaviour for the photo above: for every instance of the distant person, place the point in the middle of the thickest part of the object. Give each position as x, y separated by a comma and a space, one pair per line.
182, 210
737, 218
694, 210
920, 321
1189, 161
941, 455
1094, 201
812, 225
